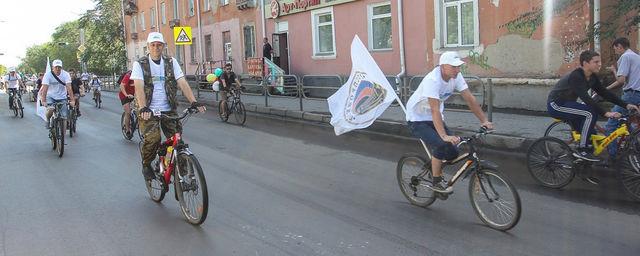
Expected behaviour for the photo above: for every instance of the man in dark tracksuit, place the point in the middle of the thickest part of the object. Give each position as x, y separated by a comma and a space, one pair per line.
562, 101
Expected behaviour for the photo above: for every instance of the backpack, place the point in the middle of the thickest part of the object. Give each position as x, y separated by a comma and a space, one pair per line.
122, 76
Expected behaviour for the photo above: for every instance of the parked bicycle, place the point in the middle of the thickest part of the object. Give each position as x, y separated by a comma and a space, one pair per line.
17, 103
550, 159
493, 197
233, 105
176, 160
133, 123
57, 129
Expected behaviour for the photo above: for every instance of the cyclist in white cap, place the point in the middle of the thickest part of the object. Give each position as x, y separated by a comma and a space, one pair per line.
13, 81
157, 79
56, 87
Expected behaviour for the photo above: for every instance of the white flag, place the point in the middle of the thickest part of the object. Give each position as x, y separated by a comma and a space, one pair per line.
364, 97
41, 111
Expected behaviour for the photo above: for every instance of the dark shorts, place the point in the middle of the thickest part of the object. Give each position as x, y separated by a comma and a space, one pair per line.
427, 132
126, 100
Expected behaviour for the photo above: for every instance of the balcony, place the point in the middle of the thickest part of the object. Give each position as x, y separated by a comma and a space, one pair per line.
134, 36
174, 23
130, 7
245, 4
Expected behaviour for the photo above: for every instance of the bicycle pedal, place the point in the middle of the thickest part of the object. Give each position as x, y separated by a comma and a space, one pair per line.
442, 196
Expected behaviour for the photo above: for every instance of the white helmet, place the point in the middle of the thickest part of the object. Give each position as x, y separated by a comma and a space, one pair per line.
12, 69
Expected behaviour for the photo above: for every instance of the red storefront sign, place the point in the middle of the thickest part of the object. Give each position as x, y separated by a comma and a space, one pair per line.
254, 67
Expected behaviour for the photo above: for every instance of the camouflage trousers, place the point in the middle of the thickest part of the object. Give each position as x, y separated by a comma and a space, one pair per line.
150, 130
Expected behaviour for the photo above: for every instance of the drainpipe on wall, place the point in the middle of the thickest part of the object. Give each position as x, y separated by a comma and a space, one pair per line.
199, 36
157, 17
124, 30
596, 20
400, 81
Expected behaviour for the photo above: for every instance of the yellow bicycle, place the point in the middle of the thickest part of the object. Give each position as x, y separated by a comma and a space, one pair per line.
551, 162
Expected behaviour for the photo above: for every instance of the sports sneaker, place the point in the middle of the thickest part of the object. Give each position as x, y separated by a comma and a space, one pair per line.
441, 187
147, 172
585, 155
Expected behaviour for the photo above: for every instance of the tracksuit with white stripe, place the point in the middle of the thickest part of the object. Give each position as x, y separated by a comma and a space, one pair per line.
562, 102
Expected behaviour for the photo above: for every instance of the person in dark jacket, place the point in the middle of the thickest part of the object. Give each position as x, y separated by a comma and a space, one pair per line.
562, 101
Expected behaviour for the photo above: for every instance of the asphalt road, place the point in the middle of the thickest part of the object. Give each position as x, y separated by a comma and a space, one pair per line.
275, 188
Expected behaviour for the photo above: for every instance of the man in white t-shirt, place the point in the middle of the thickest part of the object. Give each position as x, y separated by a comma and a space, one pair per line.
12, 83
157, 79
425, 114
56, 87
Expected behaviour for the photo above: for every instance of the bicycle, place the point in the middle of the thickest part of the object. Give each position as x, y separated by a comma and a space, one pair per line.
57, 129
97, 97
17, 103
234, 105
133, 123
551, 163
487, 187
188, 179
73, 120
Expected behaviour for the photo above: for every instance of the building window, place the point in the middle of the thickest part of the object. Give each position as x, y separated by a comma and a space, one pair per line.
193, 50
191, 8
175, 9
142, 26
380, 26
460, 17
249, 41
224, 2
323, 32
208, 51
207, 5
152, 15
226, 46
134, 24
163, 12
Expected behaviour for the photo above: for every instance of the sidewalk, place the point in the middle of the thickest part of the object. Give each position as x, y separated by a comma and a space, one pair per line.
513, 131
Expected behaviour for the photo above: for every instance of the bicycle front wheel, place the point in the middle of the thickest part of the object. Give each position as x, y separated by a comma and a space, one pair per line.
239, 113
629, 176
20, 110
550, 162
191, 189
494, 199
413, 173
61, 131
15, 106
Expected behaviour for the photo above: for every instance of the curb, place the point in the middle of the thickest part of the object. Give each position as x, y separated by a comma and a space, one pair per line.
492, 141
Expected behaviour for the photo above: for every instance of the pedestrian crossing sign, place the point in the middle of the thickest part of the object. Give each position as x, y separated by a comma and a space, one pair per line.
182, 35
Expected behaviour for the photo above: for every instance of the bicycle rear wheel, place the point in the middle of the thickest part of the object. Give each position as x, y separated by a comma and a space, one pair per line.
412, 172
494, 199
191, 189
561, 130
550, 162
239, 113
221, 107
155, 187
61, 131
126, 134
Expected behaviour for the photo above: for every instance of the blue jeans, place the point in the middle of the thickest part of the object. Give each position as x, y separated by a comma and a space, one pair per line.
630, 97
64, 111
581, 117
427, 132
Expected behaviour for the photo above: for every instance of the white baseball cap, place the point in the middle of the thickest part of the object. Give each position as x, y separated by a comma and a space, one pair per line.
155, 37
451, 58
12, 69
56, 63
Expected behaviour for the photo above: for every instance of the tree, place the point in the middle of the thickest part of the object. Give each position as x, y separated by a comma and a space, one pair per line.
104, 33
3, 69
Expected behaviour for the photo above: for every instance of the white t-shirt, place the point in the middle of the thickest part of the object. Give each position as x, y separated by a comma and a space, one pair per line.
12, 81
159, 99
85, 77
432, 86
56, 90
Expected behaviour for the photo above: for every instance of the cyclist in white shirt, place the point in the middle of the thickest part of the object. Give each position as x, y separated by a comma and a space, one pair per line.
96, 85
13, 81
56, 87
425, 113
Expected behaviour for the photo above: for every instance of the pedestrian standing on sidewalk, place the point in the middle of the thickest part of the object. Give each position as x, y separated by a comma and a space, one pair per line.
627, 75
266, 49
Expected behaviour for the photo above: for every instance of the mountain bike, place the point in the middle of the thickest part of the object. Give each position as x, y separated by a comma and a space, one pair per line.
17, 103
551, 163
176, 160
493, 197
133, 123
97, 98
233, 105
72, 120
57, 128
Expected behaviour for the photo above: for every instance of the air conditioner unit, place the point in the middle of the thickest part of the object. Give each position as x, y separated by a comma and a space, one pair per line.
174, 23
130, 7
134, 36
245, 4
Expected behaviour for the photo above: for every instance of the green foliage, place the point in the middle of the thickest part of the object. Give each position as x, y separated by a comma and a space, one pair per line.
104, 44
3, 69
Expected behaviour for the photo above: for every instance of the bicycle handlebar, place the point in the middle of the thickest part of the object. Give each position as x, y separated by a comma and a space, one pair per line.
187, 112
481, 132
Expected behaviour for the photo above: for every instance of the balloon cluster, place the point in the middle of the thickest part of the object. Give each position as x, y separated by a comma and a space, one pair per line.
214, 77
